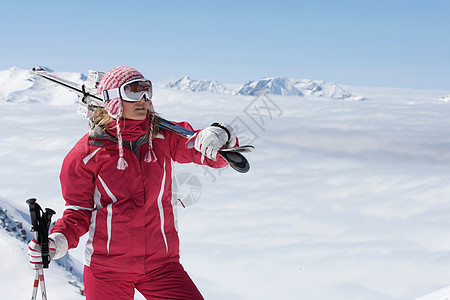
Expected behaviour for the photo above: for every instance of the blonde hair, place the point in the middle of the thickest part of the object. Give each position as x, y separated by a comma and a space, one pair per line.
102, 119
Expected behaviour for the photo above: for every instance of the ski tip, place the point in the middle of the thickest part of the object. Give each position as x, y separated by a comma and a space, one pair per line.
37, 69
239, 149
248, 148
41, 69
237, 161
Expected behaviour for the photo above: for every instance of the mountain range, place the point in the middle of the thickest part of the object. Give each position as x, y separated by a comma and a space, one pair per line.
281, 86
17, 85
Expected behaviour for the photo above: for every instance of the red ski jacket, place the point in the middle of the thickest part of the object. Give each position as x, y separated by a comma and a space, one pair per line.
130, 214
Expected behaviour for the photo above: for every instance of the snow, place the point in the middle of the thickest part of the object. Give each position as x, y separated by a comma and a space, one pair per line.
445, 98
442, 294
344, 199
270, 85
18, 86
188, 84
17, 276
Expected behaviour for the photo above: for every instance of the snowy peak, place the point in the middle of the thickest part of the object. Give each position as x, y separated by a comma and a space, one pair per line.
188, 84
320, 88
19, 86
14, 80
282, 86
295, 87
274, 86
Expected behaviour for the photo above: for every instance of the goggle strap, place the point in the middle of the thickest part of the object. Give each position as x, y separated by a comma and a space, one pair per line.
111, 94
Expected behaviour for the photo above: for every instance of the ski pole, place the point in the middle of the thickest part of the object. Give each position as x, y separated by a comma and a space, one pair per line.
39, 281
40, 225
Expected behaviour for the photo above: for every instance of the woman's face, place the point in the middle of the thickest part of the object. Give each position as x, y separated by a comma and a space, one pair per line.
135, 110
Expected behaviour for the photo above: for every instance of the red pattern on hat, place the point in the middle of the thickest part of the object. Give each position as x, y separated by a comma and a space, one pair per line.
112, 79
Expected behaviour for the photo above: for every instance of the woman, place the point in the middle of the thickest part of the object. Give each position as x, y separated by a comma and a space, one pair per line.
117, 184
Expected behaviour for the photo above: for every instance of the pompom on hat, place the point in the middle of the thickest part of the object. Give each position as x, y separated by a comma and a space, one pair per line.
112, 79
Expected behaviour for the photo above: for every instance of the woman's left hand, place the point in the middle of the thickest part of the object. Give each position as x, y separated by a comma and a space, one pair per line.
213, 138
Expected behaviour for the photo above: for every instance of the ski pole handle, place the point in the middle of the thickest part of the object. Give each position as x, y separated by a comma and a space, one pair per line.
43, 227
40, 224
35, 214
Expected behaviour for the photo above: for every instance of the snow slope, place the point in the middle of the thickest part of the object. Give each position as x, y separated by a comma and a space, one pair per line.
18, 86
344, 199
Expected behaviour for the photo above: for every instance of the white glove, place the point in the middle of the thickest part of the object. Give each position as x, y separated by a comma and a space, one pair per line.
57, 245
213, 138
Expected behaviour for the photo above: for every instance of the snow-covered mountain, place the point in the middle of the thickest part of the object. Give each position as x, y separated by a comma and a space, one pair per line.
18, 86
188, 84
14, 82
275, 86
15, 225
14, 222
282, 86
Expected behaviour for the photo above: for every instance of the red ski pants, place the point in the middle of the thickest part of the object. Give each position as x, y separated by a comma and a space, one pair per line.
168, 282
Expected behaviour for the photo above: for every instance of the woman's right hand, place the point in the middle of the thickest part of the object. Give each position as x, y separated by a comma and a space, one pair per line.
57, 245
35, 253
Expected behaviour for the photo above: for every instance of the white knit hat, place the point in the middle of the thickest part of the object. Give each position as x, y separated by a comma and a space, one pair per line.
112, 79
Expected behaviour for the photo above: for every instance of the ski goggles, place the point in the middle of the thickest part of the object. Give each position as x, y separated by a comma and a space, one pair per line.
131, 91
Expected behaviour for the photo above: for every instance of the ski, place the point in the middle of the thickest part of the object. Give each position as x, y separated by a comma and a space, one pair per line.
89, 100
240, 149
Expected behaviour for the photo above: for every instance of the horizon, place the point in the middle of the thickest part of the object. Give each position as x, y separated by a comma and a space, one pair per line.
238, 85
398, 44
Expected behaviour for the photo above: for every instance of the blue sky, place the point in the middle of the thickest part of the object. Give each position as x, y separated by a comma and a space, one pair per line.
392, 43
